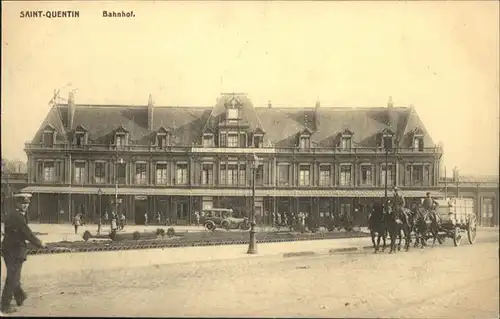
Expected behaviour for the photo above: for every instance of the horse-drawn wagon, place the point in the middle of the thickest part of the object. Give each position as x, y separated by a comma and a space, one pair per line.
457, 217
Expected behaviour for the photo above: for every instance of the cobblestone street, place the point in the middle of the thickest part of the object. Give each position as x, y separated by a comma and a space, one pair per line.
446, 281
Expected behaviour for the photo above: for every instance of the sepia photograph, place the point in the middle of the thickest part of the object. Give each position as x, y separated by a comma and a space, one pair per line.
266, 159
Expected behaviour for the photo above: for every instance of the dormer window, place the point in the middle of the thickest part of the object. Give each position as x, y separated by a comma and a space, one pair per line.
49, 136
120, 139
258, 138
233, 110
387, 139
80, 138
162, 137
208, 140
346, 140
304, 139
121, 136
305, 142
418, 140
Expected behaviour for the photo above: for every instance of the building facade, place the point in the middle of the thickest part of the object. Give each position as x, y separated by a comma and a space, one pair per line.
483, 190
175, 160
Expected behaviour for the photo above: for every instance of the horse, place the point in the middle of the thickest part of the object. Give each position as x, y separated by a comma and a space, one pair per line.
398, 223
426, 227
377, 226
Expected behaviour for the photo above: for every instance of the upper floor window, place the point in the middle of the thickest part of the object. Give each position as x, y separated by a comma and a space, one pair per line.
243, 174
232, 174
223, 140
259, 175
161, 174
389, 175
207, 174
100, 172
49, 174
345, 175
141, 176
305, 175
162, 141
80, 172
283, 174
366, 175
418, 174
121, 173
324, 175
182, 174
243, 140
208, 140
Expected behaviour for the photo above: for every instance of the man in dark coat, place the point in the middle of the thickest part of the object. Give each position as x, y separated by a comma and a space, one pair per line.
15, 251
429, 205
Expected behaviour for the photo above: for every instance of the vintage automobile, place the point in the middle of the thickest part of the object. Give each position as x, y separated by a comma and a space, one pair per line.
223, 218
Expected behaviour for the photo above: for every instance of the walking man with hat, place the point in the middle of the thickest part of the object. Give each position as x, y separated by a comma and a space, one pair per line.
15, 251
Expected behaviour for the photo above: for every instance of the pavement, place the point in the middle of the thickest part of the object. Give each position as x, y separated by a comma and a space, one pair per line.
439, 282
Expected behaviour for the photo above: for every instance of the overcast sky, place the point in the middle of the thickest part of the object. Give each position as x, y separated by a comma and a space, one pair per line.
442, 57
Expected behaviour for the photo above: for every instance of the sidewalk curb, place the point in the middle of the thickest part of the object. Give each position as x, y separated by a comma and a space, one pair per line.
328, 252
300, 254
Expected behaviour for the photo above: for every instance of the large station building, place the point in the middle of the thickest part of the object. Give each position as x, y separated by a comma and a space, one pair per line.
176, 160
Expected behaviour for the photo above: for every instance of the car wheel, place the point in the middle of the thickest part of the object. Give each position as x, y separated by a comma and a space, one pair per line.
210, 226
225, 225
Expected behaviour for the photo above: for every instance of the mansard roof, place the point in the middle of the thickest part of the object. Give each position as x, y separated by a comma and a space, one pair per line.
280, 124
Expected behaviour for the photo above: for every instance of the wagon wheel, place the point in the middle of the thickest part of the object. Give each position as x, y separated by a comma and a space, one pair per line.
471, 229
457, 236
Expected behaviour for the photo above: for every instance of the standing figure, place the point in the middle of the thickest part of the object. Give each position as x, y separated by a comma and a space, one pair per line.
145, 218
197, 218
77, 222
15, 251
158, 218
106, 218
123, 219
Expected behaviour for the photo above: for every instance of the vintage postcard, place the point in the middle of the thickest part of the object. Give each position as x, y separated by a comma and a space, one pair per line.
250, 159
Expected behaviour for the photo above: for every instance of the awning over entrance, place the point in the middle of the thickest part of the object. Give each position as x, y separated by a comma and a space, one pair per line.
343, 193
137, 191
223, 192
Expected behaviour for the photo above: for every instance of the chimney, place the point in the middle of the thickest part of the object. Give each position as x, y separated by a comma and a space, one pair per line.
71, 109
306, 121
316, 115
150, 112
456, 176
390, 104
269, 105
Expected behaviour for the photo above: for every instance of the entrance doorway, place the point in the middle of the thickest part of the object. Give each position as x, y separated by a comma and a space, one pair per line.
141, 207
182, 212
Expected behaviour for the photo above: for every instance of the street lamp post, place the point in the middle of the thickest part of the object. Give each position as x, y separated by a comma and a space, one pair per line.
252, 245
99, 193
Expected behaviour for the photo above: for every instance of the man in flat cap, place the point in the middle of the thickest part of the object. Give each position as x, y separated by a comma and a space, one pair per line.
15, 250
